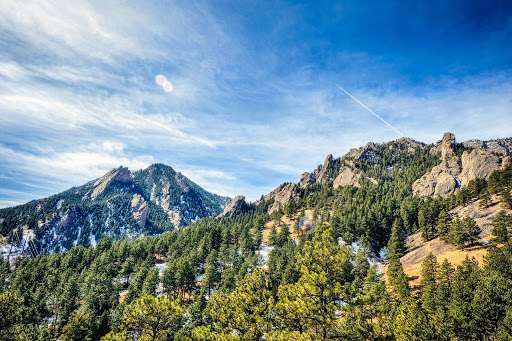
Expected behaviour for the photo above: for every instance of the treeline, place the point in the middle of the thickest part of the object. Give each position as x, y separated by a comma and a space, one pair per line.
53, 296
331, 293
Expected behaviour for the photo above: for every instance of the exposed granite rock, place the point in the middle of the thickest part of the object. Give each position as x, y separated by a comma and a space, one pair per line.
307, 179
441, 181
139, 210
348, 176
281, 196
368, 152
235, 205
499, 146
121, 174
323, 173
454, 171
176, 218
478, 164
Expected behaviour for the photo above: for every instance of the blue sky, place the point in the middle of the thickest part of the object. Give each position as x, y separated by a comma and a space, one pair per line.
254, 102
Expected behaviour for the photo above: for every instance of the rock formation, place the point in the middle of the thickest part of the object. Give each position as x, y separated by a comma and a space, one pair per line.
139, 210
281, 196
121, 174
479, 160
235, 206
323, 173
348, 176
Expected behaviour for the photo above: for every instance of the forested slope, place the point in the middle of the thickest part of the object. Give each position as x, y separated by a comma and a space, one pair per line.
208, 282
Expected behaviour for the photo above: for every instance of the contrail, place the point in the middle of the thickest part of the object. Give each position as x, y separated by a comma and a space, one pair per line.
364, 106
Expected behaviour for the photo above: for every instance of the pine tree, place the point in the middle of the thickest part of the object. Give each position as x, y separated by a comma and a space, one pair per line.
272, 237
154, 318
443, 225
396, 244
429, 273
501, 226
397, 278
308, 307
471, 230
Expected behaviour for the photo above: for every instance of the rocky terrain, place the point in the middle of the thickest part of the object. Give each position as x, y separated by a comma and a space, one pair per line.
234, 207
461, 163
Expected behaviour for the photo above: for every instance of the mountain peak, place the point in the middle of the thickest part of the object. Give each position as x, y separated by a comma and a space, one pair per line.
121, 174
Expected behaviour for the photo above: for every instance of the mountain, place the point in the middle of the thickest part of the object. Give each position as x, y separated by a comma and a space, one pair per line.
351, 251
456, 164
120, 204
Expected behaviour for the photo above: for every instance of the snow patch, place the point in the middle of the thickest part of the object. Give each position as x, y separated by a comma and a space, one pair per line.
58, 206
92, 239
264, 252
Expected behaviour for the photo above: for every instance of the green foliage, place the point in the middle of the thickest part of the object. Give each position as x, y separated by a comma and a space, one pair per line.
398, 279
151, 318
10, 314
463, 232
309, 306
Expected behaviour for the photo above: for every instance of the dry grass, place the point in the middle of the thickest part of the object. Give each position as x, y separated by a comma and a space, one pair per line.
417, 250
285, 220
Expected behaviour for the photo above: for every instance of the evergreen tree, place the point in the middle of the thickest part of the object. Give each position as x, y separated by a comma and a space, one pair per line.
443, 225
396, 244
153, 318
397, 278
429, 273
502, 224
272, 237
308, 307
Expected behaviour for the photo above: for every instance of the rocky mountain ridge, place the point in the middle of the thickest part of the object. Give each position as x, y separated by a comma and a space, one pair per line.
339, 172
459, 164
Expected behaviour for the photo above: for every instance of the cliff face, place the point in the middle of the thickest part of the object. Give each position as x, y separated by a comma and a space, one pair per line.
281, 196
478, 159
234, 207
322, 174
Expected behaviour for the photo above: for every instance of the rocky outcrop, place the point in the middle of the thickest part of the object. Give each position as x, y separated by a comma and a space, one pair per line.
281, 196
478, 161
498, 146
139, 210
323, 173
121, 174
405, 143
234, 207
368, 152
446, 146
348, 176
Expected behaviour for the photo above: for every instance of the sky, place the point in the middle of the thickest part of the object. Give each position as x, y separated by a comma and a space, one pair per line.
245, 97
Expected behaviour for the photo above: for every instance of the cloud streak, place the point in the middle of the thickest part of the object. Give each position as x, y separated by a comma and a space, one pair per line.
252, 102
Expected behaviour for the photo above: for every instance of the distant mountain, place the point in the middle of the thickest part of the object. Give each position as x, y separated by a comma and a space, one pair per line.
119, 204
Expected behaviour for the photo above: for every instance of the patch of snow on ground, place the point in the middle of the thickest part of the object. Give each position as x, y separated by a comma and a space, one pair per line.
92, 239
59, 204
161, 268
75, 242
264, 252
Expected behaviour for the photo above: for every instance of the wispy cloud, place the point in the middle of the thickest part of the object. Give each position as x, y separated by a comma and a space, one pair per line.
253, 102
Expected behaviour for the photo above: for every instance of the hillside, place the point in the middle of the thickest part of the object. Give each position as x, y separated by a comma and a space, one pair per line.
302, 263
120, 204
